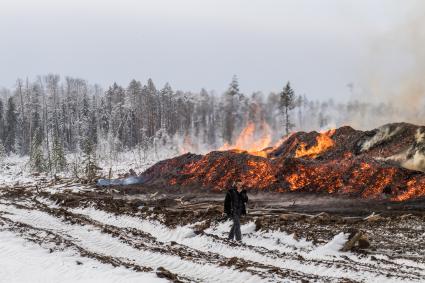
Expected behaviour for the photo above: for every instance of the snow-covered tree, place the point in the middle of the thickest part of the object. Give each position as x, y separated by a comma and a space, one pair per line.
11, 124
89, 160
37, 160
2, 153
2, 123
58, 155
51, 116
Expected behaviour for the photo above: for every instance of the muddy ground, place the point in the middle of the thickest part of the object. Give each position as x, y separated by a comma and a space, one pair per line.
312, 216
395, 232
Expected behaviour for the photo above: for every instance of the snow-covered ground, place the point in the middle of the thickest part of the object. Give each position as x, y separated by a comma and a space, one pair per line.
24, 261
42, 240
15, 170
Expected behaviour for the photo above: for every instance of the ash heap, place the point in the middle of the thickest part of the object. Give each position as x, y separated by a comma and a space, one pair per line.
388, 162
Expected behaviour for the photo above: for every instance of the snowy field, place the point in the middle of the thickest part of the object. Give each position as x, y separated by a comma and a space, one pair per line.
24, 261
46, 240
15, 170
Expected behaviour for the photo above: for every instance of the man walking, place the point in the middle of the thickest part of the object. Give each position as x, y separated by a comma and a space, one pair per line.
234, 207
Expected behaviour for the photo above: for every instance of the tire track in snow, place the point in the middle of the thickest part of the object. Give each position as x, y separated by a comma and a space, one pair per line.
93, 240
55, 242
322, 267
281, 251
184, 252
24, 261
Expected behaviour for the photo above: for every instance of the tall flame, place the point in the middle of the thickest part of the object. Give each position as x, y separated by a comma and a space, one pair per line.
187, 145
248, 141
324, 142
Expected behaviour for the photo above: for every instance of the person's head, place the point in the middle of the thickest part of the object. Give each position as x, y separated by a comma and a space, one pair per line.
239, 186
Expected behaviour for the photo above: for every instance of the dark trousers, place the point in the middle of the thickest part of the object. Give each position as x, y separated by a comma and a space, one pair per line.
236, 228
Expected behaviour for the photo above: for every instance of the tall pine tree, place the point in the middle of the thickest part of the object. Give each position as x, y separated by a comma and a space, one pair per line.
2, 123
287, 103
37, 160
11, 123
229, 121
89, 160
58, 155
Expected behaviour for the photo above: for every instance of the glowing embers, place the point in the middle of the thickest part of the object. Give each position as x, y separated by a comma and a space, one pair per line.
252, 140
330, 162
318, 177
219, 169
323, 143
259, 174
414, 188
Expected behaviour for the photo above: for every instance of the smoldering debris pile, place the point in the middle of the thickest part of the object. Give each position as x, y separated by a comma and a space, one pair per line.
385, 162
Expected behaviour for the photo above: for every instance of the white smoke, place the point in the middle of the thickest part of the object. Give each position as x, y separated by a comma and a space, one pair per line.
394, 71
414, 157
417, 162
420, 137
384, 133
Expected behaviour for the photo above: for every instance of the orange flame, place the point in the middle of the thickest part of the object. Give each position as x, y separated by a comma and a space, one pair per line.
187, 145
324, 142
415, 188
248, 141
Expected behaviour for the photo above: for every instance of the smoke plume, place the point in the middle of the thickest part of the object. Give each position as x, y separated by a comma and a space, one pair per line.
395, 69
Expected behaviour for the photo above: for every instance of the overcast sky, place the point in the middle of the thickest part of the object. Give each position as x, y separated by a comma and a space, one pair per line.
320, 46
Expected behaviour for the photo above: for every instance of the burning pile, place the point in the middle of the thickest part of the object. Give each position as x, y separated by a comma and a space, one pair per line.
385, 162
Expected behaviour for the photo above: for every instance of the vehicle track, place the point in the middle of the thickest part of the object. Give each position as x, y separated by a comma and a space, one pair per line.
143, 243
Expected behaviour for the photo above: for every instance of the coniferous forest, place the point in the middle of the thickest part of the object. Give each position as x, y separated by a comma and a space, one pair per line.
51, 116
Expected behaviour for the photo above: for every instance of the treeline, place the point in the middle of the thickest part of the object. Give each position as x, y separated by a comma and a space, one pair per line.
50, 117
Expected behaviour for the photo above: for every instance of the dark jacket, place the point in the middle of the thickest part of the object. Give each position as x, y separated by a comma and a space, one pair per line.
235, 202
